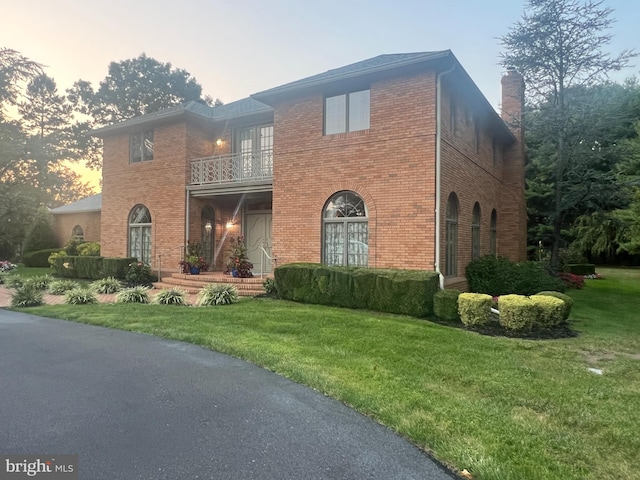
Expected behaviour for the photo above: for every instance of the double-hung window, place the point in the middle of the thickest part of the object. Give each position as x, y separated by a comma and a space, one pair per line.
141, 147
348, 112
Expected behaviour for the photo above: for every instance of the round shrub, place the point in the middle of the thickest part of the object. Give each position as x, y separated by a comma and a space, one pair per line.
445, 304
26, 296
138, 273
517, 312
106, 285
80, 296
217, 294
60, 287
270, 287
474, 308
568, 301
550, 310
139, 294
89, 249
171, 296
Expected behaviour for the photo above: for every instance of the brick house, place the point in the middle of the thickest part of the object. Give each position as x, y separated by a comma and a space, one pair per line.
79, 220
396, 161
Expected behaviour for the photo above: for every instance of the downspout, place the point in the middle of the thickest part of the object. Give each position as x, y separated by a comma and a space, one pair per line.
439, 167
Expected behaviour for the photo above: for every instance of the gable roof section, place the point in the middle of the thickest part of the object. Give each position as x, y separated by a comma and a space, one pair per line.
379, 64
86, 204
191, 109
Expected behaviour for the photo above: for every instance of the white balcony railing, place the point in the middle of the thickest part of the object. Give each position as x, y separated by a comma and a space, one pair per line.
233, 168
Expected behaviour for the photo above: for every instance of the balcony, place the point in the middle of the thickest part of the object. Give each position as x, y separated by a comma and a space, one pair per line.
232, 172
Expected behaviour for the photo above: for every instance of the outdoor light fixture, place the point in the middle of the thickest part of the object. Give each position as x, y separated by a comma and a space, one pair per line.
229, 224
219, 142
207, 228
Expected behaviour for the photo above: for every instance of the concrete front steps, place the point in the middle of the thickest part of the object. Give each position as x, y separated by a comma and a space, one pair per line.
247, 287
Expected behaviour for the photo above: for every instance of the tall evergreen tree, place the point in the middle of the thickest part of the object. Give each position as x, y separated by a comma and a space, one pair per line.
559, 45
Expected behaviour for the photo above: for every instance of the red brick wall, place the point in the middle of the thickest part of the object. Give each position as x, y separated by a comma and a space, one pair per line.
63, 225
158, 184
391, 166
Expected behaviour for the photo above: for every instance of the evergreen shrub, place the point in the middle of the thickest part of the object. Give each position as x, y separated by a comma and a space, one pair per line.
89, 249
445, 304
38, 258
408, 292
550, 310
567, 300
580, 268
475, 308
517, 312
116, 267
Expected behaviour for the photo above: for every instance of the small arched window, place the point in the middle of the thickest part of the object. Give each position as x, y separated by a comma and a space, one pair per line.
493, 239
475, 232
140, 234
77, 233
345, 230
451, 232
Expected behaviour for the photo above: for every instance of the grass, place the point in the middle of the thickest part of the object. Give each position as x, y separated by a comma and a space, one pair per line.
501, 408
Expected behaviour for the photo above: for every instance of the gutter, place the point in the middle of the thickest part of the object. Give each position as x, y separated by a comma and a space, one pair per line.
439, 168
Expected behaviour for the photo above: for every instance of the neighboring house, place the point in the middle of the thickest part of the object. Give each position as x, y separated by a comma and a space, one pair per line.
396, 161
79, 220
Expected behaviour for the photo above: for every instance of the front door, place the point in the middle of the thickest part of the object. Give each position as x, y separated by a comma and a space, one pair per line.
257, 235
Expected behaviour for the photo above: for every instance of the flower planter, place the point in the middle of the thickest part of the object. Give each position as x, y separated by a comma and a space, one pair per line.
194, 270
234, 273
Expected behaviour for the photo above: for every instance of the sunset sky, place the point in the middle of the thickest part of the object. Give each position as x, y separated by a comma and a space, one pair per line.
238, 47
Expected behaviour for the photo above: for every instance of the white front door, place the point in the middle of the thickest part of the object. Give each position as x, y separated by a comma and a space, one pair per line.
257, 235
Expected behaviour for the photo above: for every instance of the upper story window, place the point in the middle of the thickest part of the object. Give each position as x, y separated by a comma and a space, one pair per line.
141, 147
348, 112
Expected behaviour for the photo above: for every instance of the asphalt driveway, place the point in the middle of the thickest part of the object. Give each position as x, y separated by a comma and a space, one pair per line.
134, 406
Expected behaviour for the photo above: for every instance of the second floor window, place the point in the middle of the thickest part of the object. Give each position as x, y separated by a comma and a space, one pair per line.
348, 112
141, 147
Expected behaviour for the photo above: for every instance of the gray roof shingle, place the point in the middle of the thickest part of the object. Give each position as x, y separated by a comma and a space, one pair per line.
87, 204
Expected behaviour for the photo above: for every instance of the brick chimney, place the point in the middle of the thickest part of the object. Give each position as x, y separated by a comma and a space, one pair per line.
512, 217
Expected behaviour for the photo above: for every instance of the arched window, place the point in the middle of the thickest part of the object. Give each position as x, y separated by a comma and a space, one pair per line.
77, 233
493, 239
140, 234
345, 230
475, 232
451, 260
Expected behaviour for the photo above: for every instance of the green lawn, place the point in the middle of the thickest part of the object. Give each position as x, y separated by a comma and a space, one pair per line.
501, 408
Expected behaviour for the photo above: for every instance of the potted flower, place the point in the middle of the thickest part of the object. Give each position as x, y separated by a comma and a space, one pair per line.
193, 263
238, 264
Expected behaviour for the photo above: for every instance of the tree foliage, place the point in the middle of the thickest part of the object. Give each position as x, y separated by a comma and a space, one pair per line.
559, 47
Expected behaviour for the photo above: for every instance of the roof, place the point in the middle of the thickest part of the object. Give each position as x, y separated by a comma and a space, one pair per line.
87, 204
362, 71
378, 64
193, 109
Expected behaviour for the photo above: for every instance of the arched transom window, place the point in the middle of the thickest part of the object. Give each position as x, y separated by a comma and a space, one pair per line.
345, 230
140, 234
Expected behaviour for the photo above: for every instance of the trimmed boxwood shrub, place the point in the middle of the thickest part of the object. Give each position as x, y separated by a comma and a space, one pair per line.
38, 258
517, 312
475, 308
116, 267
88, 249
445, 304
408, 292
580, 268
500, 276
567, 300
550, 310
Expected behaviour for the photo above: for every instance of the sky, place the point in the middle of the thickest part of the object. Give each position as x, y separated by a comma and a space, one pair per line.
238, 47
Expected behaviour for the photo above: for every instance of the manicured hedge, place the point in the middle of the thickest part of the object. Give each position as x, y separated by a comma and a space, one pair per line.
71, 266
408, 292
116, 267
568, 302
580, 268
38, 258
445, 304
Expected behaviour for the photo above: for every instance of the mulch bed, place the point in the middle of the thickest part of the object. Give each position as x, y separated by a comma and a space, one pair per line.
494, 329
